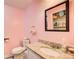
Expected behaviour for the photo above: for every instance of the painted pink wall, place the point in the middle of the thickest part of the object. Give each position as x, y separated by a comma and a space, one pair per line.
35, 17
14, 27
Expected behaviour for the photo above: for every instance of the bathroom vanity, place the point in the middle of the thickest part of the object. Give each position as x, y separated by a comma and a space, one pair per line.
42, 51
32, 55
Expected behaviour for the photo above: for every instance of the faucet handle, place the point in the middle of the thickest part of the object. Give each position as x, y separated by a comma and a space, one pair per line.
58, 46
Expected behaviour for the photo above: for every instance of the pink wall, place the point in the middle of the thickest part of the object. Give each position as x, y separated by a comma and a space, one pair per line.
35, 17
14, 27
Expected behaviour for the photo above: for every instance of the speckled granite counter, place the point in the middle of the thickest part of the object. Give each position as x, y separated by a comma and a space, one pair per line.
35, 47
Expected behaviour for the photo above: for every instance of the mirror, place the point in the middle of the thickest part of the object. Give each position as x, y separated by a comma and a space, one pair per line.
57, 17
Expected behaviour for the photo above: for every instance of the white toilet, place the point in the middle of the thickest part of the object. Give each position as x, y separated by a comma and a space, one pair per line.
18, 52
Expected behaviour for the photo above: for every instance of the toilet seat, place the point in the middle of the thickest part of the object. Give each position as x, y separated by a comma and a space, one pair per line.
17, 50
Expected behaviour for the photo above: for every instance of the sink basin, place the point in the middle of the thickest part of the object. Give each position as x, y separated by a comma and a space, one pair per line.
49, 51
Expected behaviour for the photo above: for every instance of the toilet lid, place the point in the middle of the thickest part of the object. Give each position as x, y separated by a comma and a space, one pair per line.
17, 50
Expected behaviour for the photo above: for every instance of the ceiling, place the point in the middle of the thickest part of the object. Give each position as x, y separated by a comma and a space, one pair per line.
22, 4
18, 3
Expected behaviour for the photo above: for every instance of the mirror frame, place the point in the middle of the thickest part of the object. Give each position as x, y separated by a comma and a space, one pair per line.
67, 17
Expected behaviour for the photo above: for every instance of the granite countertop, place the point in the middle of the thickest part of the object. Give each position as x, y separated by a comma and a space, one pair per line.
36, 48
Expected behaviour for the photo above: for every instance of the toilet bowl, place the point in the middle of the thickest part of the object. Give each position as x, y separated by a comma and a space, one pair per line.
18, 52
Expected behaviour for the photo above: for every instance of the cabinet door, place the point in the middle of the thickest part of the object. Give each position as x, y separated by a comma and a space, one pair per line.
32, 55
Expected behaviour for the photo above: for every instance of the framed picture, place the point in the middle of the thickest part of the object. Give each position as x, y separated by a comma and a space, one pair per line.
57, 17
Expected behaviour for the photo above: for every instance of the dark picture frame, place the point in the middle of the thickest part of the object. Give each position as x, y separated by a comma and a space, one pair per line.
67, 17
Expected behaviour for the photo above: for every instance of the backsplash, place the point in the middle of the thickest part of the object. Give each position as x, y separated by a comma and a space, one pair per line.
52, 44
63, 48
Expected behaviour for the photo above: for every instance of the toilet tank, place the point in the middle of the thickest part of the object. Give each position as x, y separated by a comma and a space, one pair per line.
25, 42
